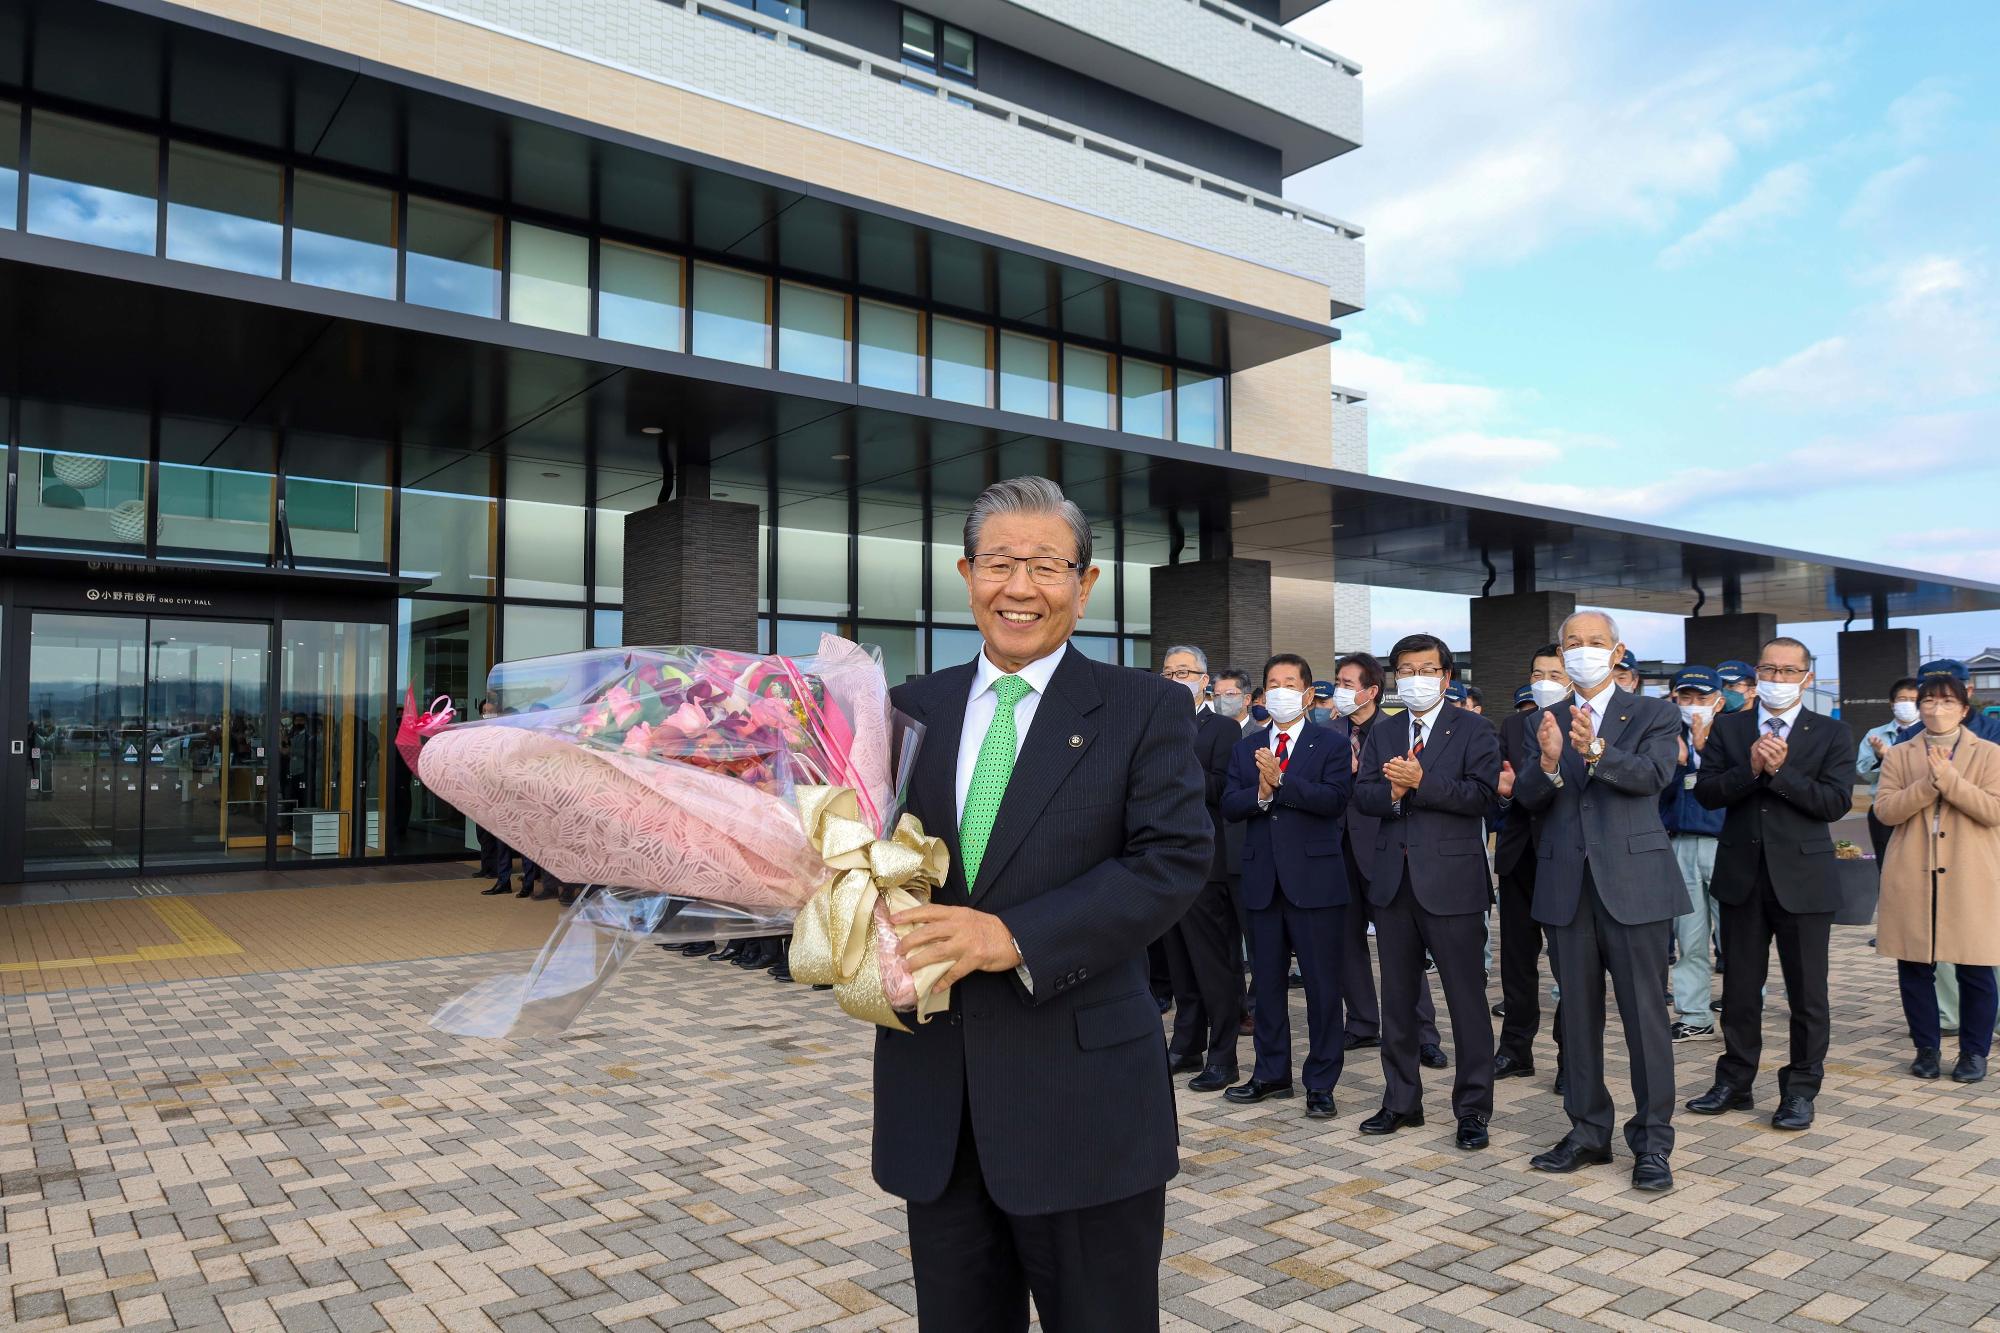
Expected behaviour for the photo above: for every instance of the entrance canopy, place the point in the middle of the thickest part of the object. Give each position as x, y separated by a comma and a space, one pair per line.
82, 324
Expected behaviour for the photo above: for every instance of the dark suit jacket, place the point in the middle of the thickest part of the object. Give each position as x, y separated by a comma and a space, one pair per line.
1215, 737
1440, 831
1294, 847
1779, 819
1513, 828
1607, 819
1100, 844
1357, 823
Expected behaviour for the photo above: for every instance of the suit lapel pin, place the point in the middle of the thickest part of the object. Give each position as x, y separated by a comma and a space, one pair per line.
1076, 742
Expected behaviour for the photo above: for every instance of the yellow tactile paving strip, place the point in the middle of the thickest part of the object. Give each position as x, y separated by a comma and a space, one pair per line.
135, 941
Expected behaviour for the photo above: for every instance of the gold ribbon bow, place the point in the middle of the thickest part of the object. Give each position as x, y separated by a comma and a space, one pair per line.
833, 939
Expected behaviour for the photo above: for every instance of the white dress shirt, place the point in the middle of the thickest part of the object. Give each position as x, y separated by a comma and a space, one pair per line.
1291, 748
1789, 717
983, 703
1421, 724
1597, 705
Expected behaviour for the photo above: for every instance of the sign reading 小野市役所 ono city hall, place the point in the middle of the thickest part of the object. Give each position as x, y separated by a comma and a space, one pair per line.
130, 598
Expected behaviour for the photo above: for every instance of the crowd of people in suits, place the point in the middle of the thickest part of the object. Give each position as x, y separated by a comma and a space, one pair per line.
1659, 841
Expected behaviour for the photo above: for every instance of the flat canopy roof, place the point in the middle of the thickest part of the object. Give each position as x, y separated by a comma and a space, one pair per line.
203, 75
258, 357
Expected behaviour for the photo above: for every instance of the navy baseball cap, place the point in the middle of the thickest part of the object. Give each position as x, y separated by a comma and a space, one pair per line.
1322, 689
1697, 678
1455, 692
1524, 695
1628, 662
1735, 670
1944, 666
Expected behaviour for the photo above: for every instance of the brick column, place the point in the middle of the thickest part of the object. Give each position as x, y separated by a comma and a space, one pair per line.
691, 574
1715, 639
1871, 660
1222, 607
1506, 631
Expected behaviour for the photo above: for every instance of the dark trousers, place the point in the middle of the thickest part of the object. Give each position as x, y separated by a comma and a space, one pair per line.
1202, 954
1357, 972
1978, 998
1158, 975
1457, 943
1520, 961
496, 858
1748, 928
1878, 836
1242, 953
1581, 953
1312, 935
1089, 1269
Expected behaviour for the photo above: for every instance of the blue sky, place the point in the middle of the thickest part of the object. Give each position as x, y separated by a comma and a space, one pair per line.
1728, 268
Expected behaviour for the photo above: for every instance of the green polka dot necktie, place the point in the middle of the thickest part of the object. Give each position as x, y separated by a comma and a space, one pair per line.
989, 777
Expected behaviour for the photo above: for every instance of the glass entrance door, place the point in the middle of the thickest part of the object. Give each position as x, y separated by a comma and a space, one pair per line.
333, 752
205, 769
86, 702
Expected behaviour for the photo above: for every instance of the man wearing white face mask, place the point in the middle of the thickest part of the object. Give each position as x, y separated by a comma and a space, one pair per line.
1608, 888
1694, 828
1783, 773
1874, 744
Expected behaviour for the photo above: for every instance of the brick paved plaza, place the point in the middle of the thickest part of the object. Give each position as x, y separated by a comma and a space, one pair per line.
295, 1148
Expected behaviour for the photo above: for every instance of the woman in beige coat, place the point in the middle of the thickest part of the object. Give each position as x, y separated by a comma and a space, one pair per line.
1940, 902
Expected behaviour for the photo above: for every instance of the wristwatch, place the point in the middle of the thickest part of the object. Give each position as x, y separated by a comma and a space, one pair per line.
1596, 750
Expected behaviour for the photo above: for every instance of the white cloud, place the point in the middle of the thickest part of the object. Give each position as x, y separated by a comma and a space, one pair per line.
1780, 193
1495, 130
1931, 336
1398, 306
1916, 115
1875, 201
1411, 395
1445, 459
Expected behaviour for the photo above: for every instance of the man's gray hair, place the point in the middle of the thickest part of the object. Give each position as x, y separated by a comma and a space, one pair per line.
1200, 657
1027, 495
1604, 616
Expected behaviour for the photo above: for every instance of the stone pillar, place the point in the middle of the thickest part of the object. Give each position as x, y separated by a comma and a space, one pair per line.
1712, 640
1871, 660
691, 574
1506, 631
1222, 607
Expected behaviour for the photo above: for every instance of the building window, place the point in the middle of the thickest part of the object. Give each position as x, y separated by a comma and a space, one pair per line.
1144, 390
548, 279
10, 164
639, 298
94, 183
454, 259
732, 315
225, 211
343, 235
1027, 375
1198, 409
892, 348
813, 332
961, 362
939, 48
1087, 387
792, 12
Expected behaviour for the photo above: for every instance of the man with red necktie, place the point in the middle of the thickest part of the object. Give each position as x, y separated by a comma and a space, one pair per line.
1288, 785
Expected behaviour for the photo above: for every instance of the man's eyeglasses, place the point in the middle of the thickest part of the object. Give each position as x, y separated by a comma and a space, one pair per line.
1183, 673
1427, 672
1769, 672
1045, 570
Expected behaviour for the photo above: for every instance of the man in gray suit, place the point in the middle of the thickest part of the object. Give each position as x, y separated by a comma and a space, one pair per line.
1609, 888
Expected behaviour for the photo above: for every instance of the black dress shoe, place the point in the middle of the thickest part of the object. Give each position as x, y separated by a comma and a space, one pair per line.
545, 894
1433, 1057
1211, 1079
1165, 1002
1319, 1105
699, 949
1969, 1069
1500, 1009
1256, 1090
1719, 1098
1793, 1113
1471, 1133
728, 953
527, 890
1184, 1064
1567, 1156
1926, 1063
1511, 1066
1386, 1121
502, 886
1562, 1083
1353, 1043
1651, 1173
1296, 981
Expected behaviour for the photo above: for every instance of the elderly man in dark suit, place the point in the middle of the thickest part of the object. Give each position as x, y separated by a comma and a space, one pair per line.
1783, 773
1288, 785
1202, 947
1607, 885
1429, 775
1032, 1128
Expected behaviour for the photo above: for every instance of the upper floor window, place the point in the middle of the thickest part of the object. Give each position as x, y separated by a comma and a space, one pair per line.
793, 13
939, 48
